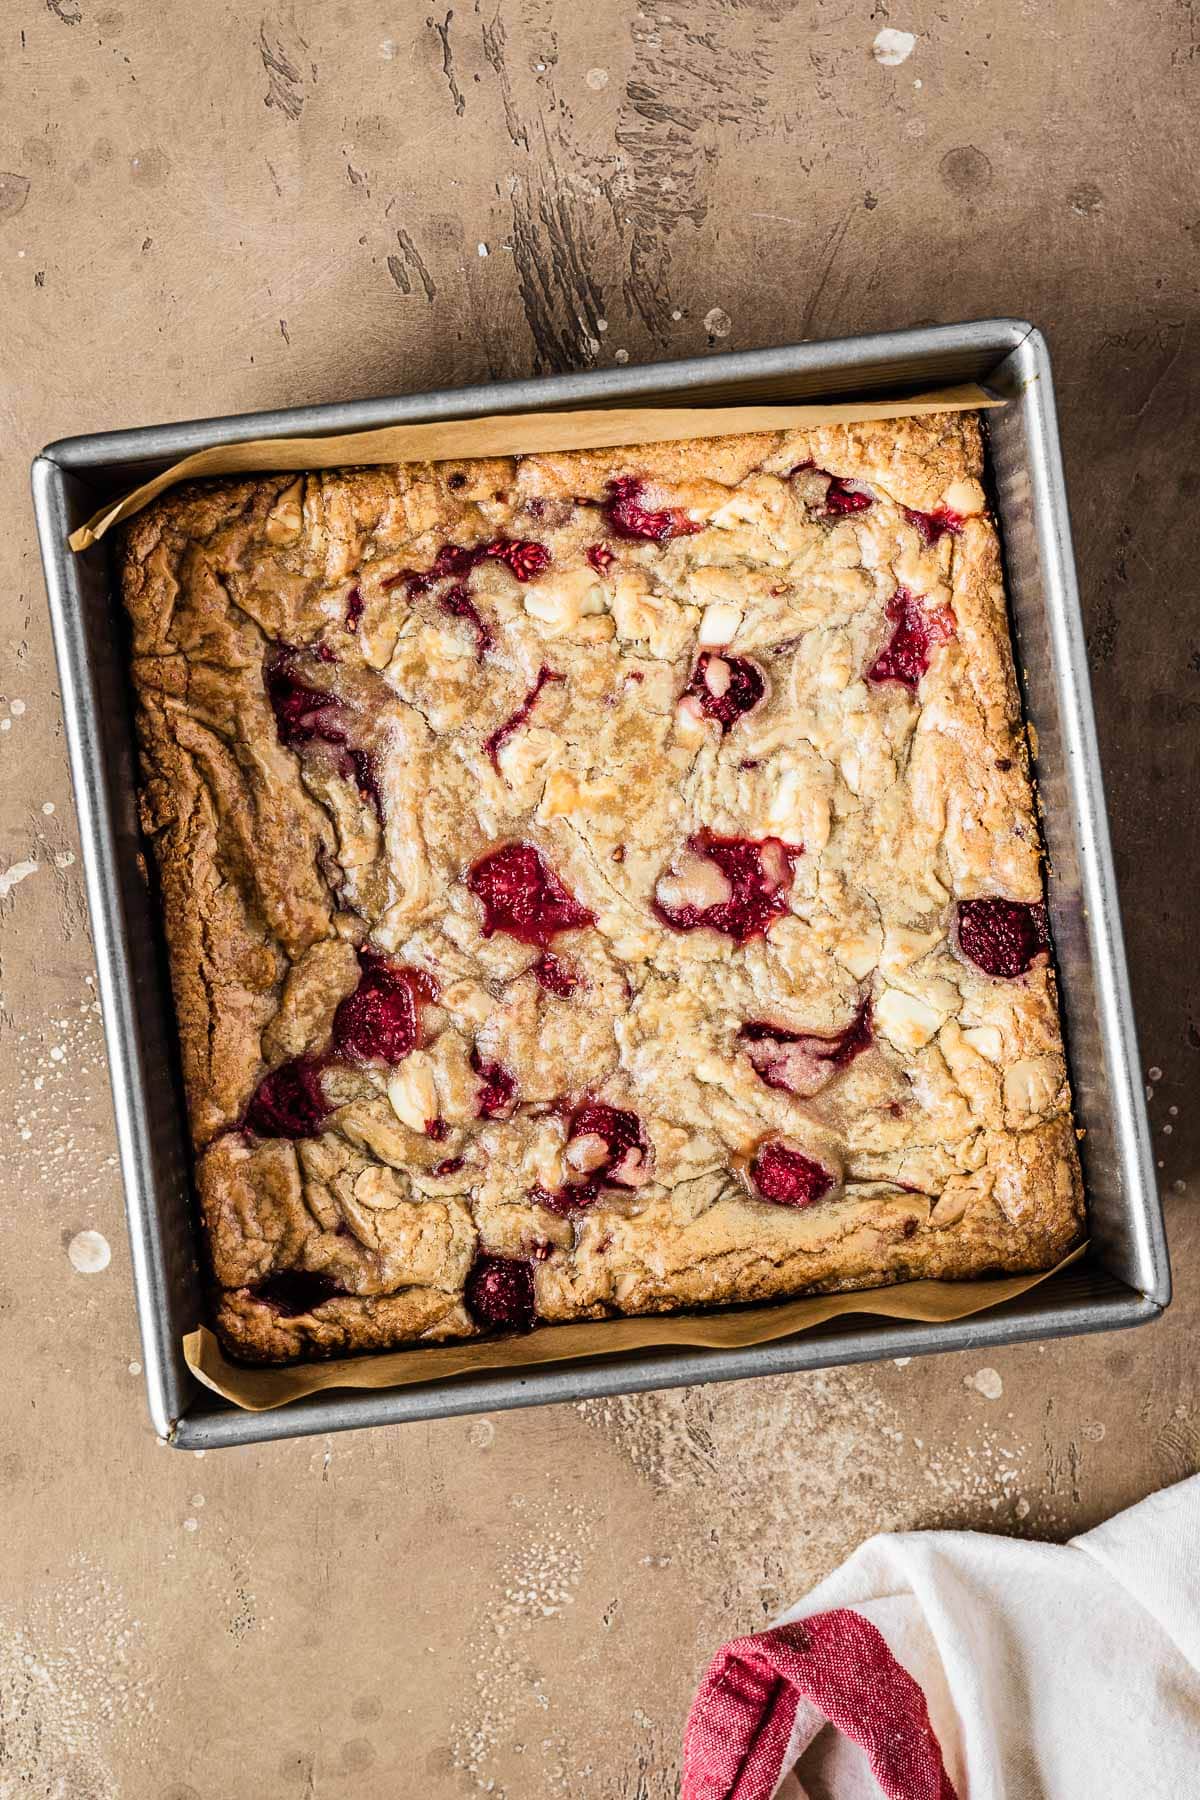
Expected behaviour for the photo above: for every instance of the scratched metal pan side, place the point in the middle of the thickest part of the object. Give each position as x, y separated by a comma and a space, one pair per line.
1124, 1210
134, 993
900, 361
1124, 1286
1087, 1301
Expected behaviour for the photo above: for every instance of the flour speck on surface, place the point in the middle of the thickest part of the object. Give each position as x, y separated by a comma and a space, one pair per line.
774, 1482
54, 1064
891, 48
986, 1382
16, 873
89, 1252
514, 1639
72, 1676
717, 322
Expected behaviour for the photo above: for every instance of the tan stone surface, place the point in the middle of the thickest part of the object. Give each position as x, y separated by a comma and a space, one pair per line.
212, 208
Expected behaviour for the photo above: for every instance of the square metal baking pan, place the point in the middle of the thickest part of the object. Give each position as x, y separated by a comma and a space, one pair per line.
1124, 1280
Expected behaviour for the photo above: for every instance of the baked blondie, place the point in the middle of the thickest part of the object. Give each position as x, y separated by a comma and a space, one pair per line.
597, 883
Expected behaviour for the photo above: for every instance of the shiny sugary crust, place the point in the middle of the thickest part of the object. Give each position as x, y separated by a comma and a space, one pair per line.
950, 1137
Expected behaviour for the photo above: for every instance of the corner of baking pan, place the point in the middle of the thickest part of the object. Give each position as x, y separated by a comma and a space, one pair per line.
45, 473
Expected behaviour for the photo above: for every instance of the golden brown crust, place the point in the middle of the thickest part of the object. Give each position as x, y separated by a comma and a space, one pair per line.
947, 1141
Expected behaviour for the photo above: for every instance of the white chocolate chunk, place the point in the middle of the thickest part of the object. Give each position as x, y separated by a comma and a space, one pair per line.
560, 796
949, 1208
837, 665
286, 516
775, 866
787, 802
691, 726
562, 599
379, 1188
912, 559
719, 625
528, 753
717, 581
986, 1040
413, 1093
717, 676
693, 881
585, 1153
641, 616
905, 1021
632, 1170
631, 610
745, 507
467, 1000
902, 947
1030, 1087
630, 933
798, 810
964, 496
565, 794
858, 952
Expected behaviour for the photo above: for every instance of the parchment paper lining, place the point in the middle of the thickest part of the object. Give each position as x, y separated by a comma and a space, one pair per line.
514, 434
260, 1389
